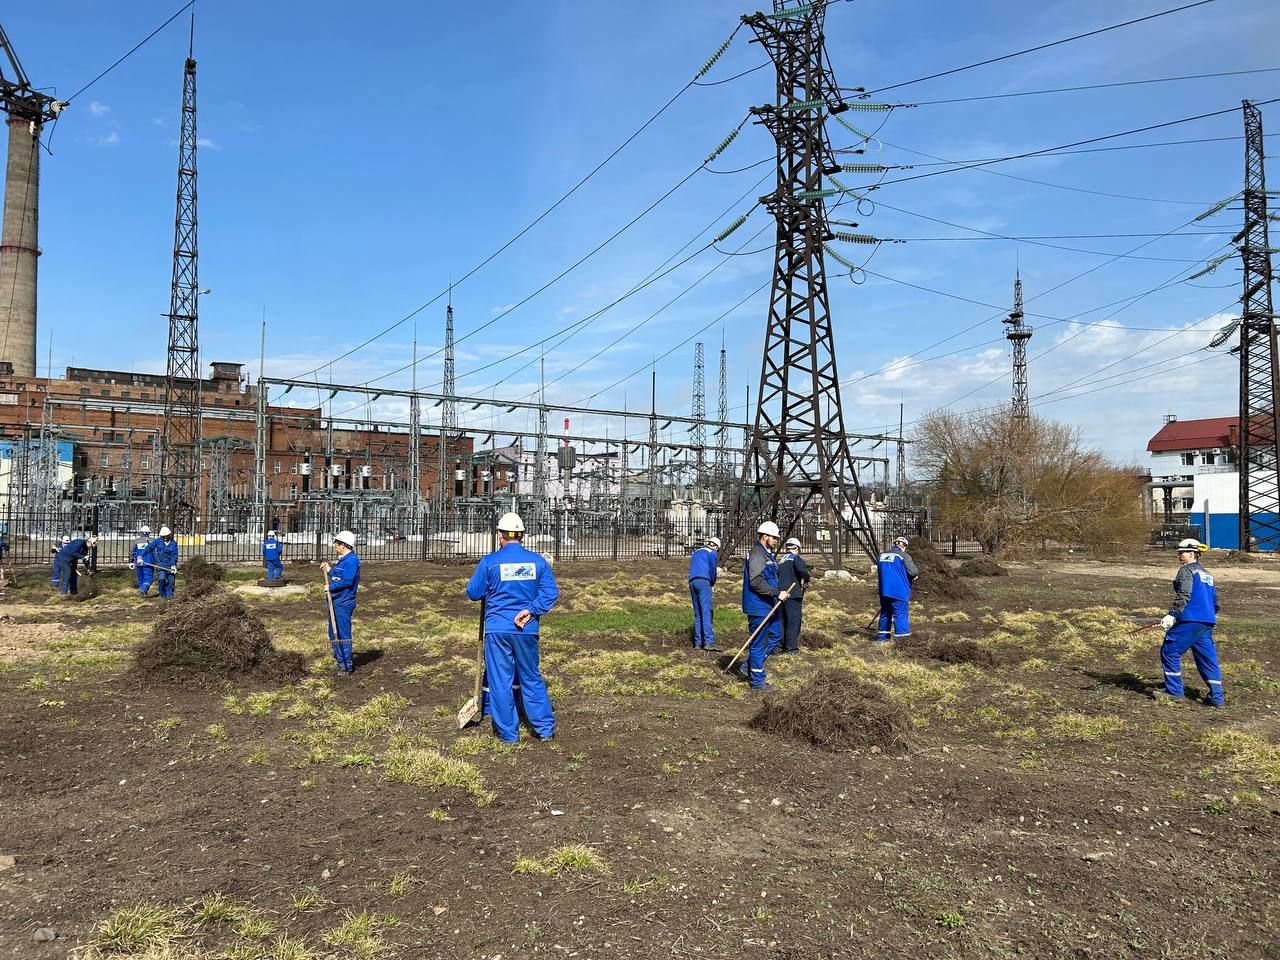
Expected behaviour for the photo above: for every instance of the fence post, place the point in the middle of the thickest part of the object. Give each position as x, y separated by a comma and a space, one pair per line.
615, 539
421, 524
93, 529
559, 516
954, 543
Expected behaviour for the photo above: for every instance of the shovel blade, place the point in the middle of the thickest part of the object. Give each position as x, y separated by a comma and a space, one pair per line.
469, 714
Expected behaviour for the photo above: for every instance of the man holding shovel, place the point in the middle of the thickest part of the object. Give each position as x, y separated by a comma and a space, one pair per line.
164, 559
895, 570
761, 599
702, 577
517, 588
140, 560
1189, 626
342, 581
65, 563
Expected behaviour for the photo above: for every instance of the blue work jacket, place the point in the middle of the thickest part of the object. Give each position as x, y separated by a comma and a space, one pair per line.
703, 564
510, 580
344, 581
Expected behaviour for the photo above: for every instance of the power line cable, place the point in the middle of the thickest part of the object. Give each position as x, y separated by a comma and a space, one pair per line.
134, 49
1039, 47
539, 218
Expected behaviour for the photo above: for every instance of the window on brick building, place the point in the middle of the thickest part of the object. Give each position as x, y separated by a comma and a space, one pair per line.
144, 462
104, 460
277, 467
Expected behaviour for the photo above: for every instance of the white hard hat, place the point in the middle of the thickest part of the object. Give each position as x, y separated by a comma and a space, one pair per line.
770, 528
166, 532
1191, 544
793, 542
902, 540
346, 537
511, 523
713, 542
271, 533
144, 529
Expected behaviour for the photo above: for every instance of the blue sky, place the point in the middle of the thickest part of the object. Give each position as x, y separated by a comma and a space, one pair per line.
351, 163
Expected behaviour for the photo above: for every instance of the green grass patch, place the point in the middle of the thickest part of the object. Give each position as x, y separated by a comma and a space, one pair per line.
417, 765
577, 857
1078, 726
1246, 752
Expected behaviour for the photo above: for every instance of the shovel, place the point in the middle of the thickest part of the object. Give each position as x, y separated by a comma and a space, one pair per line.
328, 601
470, 712
743, 649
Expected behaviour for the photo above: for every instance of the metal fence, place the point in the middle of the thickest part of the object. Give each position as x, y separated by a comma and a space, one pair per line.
391, 532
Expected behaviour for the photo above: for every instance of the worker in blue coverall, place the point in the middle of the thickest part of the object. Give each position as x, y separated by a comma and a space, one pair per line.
702, 577
140, 560
517, 588
1189, 626
273, 556
761, 596
53, 563
343, 584
65, 562
164, 554
896, 571
794, 577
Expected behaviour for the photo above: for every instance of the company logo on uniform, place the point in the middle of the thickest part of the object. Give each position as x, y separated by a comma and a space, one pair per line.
1205, 578
888, 557
517, 571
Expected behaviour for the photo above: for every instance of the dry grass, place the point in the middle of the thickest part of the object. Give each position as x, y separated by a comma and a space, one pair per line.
576, 857
1246, 752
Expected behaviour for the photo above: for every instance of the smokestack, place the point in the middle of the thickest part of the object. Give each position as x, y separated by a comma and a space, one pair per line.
19, 247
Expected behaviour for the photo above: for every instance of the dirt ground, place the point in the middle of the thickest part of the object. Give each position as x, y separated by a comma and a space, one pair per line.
1047, 808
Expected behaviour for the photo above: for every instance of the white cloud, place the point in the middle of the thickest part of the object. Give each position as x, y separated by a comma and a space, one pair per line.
208, 144
106, 140
99, 109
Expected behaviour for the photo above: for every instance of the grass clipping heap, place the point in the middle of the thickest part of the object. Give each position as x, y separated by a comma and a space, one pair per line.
937, 580
837, 710
209, 632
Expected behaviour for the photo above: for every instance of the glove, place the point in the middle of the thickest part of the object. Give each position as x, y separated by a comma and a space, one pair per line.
133, 566
1168, 621
173, 570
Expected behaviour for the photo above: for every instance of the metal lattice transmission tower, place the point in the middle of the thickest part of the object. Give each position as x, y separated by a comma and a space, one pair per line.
180, 447
722, 435
540, 448
1259, 377
414, 484
653, 453
1018, 334
799, 456
698, 432
902, 460
218, 498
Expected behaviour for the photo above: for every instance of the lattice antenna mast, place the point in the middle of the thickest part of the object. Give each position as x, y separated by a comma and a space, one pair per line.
1018, 334
180, 447
653, 453
540, 448
698, 432
798, 455
902, 459
450, 415
722, 436
1259, 373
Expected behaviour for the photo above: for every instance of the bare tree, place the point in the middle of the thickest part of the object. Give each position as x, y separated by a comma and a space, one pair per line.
1010, 482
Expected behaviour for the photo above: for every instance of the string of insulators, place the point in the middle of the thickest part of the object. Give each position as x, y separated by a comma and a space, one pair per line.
731, 227
797, 105
863, 167
1240, 236
713, 58
791, 14
1220, 205
867, 106
856, 238
814, 194
1224, 334
724, 145
1213, 265
851, 128
835, 255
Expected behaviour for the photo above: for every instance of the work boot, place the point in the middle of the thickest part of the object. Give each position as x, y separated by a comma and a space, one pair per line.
765, 688
1205, 701
1164, 696
712, 648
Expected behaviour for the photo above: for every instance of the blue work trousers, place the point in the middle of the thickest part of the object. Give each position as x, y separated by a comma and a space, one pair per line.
275, 569
341, 644
164, 582
145, 576
1198, 638
704, 633
766, 641
67, 580
511, 659
792, 616
894, 611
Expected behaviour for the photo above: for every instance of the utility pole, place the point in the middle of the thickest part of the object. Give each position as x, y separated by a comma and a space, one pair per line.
261, 492
1018, 334
415, 437
449, 412
180, 447
28, 111
540, 447
902, 462
1259, 457
722, 436
653, 453
798, 454
698, 432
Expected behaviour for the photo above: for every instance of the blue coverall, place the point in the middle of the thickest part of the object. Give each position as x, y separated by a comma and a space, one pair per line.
65, 564
896, 570
273, 558
164, 554
511, 580
702, 576
793, 576
140, 560
1195, 609
53, 562
759, 594
344, 582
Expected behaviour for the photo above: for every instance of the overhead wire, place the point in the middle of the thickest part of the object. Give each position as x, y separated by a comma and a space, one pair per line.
134, 49
1039, 47
1089, 86
536, 220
